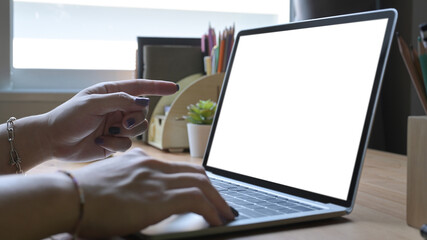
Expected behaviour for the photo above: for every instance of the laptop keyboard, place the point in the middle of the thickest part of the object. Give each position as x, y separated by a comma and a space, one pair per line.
251, 203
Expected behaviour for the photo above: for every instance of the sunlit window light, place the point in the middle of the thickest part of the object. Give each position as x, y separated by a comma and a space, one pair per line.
76, 34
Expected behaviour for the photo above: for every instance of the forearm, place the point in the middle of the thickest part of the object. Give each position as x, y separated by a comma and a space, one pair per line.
30, 143
34, 207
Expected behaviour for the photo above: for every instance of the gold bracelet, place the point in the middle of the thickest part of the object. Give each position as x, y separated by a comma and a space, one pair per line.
15, 160
81, 202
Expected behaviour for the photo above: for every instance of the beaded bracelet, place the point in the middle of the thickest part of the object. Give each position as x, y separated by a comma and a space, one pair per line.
81, 203
15, 160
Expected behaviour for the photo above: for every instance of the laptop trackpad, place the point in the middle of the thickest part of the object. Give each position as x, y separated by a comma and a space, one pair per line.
177, 223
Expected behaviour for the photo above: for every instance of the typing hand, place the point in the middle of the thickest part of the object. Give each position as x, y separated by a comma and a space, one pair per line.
127, 193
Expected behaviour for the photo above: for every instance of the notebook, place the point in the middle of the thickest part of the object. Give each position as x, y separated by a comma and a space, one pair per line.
293, 120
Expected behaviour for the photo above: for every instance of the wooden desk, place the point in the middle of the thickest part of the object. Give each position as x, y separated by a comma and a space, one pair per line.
380, 211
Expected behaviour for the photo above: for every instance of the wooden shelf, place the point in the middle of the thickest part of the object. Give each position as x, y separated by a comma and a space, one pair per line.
169, 131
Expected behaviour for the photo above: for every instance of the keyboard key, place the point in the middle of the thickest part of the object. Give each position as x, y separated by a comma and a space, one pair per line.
249, 205
266, 211
250, 213
252, 199
288, 204
274, 207
239, 195
237, 201
258, 195
286, 210
279, 200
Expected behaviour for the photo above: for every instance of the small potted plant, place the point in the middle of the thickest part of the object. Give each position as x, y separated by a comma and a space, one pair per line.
199, 118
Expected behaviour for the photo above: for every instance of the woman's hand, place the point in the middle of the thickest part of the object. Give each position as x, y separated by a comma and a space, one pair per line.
123, 195
127, 193
100, 120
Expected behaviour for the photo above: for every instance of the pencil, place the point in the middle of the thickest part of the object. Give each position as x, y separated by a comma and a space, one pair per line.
213, 60
415, 78
208, 64
210, 39
227, 45
221, 51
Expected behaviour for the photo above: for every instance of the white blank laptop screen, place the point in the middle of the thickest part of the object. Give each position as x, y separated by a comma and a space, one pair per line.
296, 103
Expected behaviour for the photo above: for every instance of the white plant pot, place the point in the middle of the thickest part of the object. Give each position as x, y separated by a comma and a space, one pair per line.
198, 138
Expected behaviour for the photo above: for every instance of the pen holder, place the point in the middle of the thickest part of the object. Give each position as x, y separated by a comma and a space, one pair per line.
416, 204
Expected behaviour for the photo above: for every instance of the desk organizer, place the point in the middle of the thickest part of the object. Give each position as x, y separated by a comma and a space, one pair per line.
416, 202
168, 131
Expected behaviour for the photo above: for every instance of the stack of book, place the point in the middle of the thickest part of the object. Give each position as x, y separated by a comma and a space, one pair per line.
217, 50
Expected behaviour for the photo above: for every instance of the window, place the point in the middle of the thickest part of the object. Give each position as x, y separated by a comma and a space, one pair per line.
71, 44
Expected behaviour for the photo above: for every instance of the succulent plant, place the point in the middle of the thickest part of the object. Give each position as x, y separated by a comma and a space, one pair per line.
202, 112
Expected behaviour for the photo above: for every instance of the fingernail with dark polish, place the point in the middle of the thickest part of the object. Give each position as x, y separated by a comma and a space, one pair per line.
130, 122
99, 141
114, 130
142, 101
177, 87
235, 212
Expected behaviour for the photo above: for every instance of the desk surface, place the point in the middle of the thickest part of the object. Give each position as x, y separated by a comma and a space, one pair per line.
380, 211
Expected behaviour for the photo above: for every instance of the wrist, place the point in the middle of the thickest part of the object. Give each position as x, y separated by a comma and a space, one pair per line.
30, 142
65, 210
45, 204
81, 204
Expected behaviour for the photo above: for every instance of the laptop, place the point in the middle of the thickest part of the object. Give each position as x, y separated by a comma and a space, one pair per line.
293, 120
